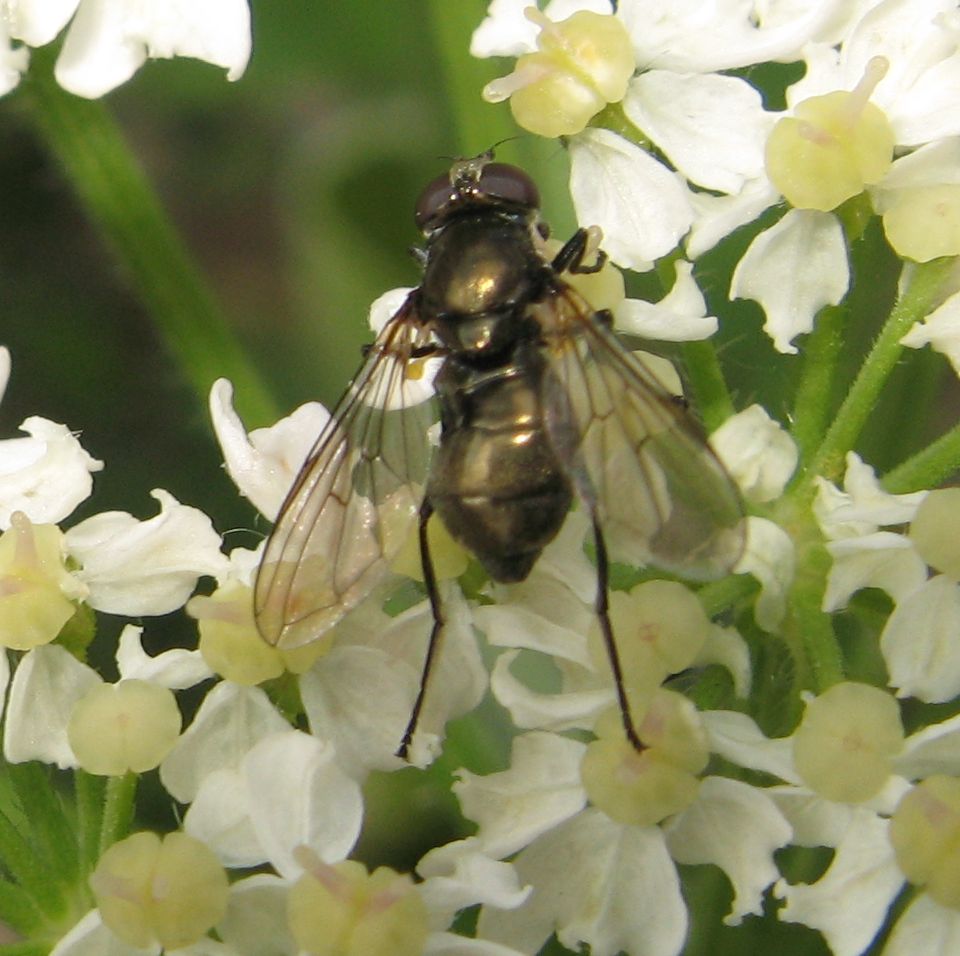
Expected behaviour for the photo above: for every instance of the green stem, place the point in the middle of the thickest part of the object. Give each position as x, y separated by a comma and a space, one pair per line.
922, 295
117, 809
706, 384
90, 802
813, 405
117, 196
928, 468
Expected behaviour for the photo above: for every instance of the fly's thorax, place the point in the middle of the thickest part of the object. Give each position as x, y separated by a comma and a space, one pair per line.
482, 271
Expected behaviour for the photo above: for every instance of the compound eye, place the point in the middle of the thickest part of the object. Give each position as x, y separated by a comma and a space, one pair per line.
509, 183
432, 200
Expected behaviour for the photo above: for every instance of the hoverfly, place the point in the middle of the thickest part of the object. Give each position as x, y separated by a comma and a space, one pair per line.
539, 405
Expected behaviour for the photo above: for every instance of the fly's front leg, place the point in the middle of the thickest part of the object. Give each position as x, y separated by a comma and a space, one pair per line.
606, 629
582, 246
433, 593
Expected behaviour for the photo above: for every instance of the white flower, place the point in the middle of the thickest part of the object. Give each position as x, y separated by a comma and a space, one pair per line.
642, 207
851, 901
109, 40
624, 893
46, 475
941, 329
902, 55
49, 681
794, 269
360, 695
145, 567
758, 453
264, 463
863, 556
680, 316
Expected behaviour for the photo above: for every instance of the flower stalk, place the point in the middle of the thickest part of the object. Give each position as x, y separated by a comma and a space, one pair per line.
113, 189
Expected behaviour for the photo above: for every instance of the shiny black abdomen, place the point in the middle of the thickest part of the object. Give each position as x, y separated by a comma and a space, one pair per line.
496, 481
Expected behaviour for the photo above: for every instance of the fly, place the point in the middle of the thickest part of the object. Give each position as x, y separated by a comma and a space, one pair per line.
539, 406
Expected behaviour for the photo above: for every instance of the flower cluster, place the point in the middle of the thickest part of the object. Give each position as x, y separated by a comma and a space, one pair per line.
802, 709
107, 42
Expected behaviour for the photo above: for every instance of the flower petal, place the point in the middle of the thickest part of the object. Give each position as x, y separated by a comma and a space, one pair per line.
264, 464
230, 721
177, 668
46, 685
541, 789
145, 567
941, 329
642, 207
108, 41
794, 269
460, 874
623, 894
738, 738
769, 557
46, 475
925, 927
919, 642
849, 903
758, 453
738, 828
711, 127
880, 560
298, 796
680, 316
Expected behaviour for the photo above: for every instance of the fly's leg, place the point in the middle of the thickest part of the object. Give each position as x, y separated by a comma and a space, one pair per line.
582, 245
606, 629
430, 581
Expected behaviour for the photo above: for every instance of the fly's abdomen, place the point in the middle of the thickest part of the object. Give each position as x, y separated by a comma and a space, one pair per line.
496, 482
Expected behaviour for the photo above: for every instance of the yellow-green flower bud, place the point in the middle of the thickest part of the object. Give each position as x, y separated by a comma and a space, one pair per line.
660, 628
923, 222
603, 289
844, 746
644, 788
129, 726
449, 558
341, 910
582, 63
168, 892
232, 646
832, 146
33, 606
935, 530
925, 833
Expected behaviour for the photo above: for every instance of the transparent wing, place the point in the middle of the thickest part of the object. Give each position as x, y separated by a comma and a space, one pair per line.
357, 496
632, 451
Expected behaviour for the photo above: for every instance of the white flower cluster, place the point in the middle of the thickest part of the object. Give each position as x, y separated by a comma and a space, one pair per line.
701, 159
107, 41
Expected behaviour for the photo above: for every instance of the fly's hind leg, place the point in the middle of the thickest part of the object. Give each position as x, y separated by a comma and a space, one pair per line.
433, 594
606, 629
